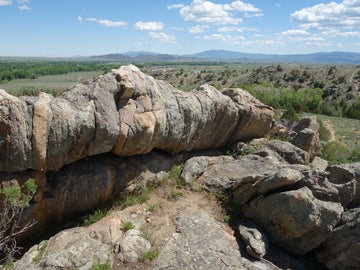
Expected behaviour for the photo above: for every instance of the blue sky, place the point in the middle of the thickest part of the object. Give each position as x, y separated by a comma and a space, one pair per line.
92, 27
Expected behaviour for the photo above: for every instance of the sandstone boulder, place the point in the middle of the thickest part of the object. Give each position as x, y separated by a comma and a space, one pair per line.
308, 140
82, 247
295, 219
126, 112
307, 122
191, 248
342, 249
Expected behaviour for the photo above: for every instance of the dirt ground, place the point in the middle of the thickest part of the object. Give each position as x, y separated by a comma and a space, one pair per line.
164, 206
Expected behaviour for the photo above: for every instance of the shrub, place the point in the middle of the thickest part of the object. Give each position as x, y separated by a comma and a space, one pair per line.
335, 153
14, 200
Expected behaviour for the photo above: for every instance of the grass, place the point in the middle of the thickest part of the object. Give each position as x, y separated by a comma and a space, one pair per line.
98, 215
58, 83
128, 225
347, 131
98, 266
175, 193
41, 251
150, 255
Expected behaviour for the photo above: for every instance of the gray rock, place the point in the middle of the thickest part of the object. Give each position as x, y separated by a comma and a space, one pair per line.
255, 240
342, 249
307, 122
345, 182
193, 168
133, 246
291, 153
285, 177
295, 219
308, 140
355, 167
83, 247
319, 163
191, 248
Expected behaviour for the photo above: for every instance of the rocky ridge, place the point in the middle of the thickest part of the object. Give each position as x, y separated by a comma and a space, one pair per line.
98, 139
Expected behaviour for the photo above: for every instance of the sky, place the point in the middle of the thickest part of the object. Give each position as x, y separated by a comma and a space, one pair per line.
92, 27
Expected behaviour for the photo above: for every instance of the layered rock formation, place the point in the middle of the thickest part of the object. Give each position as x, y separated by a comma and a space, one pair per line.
124, 112
125, 129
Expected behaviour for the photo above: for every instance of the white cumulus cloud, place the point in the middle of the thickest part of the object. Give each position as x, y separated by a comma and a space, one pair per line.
197, 29
24, 7
295, 32
23, 1
202, 11
5, 2
162, 37
331, 15
237, 29
224, 38
102, 22
177, 6
149, 26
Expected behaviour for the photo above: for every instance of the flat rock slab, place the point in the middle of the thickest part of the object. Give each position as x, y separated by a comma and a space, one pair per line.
201, 243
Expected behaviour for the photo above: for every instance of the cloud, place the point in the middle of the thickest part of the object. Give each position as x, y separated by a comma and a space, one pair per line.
102, 22
264, 43
329, 16
23, 1
149, 26
175, 28
236, 29
5, 2
318, 44
177, 6
224, 38
247, 15
162, 37
24, 7
197, 29
336, 33
202, 11
295, 32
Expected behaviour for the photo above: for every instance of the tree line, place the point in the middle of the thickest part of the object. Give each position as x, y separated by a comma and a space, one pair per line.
33, 70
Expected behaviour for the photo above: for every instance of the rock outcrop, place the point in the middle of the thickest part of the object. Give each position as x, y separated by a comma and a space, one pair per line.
124, 112
82, 247
118, 133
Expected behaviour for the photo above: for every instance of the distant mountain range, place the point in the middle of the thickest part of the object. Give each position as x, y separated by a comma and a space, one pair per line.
223, 55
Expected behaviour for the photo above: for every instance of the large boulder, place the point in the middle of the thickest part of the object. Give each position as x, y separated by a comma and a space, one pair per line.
82, 247
308, 140
342, 249
295, 219
191, 248
126, 112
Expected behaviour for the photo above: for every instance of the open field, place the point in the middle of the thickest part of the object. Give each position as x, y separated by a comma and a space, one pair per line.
346, 131
56, 82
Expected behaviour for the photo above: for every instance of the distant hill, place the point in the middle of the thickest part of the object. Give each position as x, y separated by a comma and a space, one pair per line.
224, 55
137, 53
321, 57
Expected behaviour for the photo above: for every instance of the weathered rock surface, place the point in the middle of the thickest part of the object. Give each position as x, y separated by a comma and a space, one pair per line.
132, 246
295, 219
191, 248
82, 185
255, 240
342, 249
126, 112
308, 140
82, 247
307, 122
